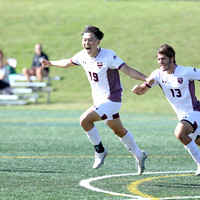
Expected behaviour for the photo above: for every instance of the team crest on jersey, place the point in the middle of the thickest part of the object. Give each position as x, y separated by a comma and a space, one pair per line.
180, 80
195, 69
100, 65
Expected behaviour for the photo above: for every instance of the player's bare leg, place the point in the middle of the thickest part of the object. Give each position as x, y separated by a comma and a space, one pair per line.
87, 120
182, 132
127, 139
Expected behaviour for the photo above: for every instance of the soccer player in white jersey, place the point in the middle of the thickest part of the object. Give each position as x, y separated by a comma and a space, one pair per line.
101, 67
177, 83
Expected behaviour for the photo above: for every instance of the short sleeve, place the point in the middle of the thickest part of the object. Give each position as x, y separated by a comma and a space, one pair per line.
193, 73
114, 62
76, 59
155, 75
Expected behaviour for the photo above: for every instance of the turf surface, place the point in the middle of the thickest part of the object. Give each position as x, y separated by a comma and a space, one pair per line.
44, 154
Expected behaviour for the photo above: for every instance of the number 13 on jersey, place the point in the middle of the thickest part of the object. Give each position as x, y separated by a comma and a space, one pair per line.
176, 92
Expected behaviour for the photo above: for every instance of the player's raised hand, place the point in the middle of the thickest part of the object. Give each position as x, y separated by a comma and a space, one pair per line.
46, 63
143, 88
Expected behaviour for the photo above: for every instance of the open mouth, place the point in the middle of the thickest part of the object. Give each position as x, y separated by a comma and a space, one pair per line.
162, 65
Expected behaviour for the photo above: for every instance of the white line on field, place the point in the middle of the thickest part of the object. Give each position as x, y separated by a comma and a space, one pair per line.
86, 183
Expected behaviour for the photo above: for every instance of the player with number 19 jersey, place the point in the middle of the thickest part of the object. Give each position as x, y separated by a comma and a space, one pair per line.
179, 88
102, 73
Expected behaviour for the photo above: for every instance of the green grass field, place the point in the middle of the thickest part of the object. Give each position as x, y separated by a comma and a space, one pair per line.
45, 155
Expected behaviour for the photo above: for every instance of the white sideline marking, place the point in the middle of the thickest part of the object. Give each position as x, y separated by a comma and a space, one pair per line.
86, 183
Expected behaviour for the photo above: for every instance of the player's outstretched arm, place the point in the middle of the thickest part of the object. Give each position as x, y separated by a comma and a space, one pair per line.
64, 63
133, 73
143, 88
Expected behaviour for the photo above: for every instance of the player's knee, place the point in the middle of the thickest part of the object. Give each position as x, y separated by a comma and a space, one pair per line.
83, 120
180, 135
120, 133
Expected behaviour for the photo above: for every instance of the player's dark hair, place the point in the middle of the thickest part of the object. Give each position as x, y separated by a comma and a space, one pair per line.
92, 29
166, 50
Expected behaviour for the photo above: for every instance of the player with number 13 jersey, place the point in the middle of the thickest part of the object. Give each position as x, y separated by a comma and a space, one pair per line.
177, 83
179, 88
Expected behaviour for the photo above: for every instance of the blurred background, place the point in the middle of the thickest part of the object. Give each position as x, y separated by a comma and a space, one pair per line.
133, 29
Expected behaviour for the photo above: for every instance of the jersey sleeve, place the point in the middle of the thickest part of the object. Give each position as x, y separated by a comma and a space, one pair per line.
76, 59
114, 61
155, 75
193, 73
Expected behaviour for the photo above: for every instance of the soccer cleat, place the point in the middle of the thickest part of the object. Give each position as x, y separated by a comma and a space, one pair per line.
140, 163
99, 159
198, 171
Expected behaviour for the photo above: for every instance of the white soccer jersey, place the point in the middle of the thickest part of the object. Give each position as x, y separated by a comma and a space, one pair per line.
102, 73
179, 88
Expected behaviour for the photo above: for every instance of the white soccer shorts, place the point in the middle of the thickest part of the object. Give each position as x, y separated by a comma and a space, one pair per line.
193, 117
108, 110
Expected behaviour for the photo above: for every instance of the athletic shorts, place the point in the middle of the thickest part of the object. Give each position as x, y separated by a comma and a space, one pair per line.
193, 117
108, 110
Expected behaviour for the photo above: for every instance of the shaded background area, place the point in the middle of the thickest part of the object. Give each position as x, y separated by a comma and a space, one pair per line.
133, 29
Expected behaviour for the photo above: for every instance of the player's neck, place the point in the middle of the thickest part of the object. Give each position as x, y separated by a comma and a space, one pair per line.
95, 53
171, 69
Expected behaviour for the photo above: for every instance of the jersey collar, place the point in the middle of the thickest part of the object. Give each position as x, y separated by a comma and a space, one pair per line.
98, 52
174, 69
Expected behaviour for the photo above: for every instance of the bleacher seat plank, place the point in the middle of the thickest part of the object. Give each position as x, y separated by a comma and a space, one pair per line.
13, 102
28, 84
8, 97
21, 90
20, 77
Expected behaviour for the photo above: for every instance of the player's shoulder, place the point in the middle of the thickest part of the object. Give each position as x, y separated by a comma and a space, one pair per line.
79, 54
184, 70
107, 51
157, 72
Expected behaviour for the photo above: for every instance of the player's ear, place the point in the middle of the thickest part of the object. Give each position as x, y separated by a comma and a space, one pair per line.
99, 42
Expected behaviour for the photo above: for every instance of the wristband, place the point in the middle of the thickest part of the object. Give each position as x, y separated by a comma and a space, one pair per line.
146, 84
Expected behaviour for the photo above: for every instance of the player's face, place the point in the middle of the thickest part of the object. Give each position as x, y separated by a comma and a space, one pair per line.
165, 63
90, 44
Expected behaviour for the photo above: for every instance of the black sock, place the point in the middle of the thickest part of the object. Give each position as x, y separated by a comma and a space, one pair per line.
99, 148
